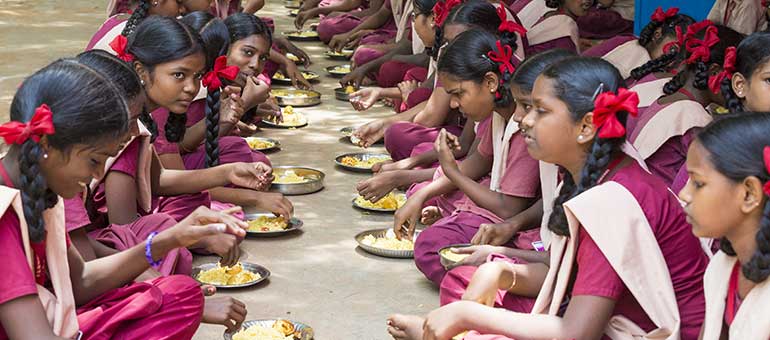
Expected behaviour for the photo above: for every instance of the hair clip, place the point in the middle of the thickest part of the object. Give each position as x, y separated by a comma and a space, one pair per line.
599, 89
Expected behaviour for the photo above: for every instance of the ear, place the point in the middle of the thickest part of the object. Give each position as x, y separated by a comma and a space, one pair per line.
753, 195
142, 71
585, 129
714, 69
658, 34
740, 85
491, 81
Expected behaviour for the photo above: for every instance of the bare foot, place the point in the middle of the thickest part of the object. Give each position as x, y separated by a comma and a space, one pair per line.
405, 327
430, 215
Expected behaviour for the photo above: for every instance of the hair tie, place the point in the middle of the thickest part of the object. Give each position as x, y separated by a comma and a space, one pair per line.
508, 25
40, 125
766, 159
700, 49
441, 11
660, 16
728, 68
212, 79
503, 57
606, 108
120, 46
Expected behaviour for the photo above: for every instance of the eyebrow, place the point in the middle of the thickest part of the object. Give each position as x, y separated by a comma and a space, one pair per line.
249, 46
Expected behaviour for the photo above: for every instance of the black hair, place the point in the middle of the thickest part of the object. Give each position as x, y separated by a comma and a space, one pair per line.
123, 75
532, 67
87, 109
159, 40
668, 29
140, 13
554, 3
476, 15
699, 70
752, 53
243, 25
735, 145
216, 40
577, 81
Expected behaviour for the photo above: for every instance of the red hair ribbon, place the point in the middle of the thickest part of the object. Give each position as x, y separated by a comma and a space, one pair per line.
700, 49
120, 46
681, 39
212, 79
441, 11
766, 158
606, 108
765, 3
41, 124
503, 57
660, 16
728, 68
508, 25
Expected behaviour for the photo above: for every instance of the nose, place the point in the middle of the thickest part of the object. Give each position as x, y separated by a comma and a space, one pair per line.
684, 194
527, 121
192, 86
454, 104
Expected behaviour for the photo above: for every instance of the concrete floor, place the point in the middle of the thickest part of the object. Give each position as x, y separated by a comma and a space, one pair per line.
319, 277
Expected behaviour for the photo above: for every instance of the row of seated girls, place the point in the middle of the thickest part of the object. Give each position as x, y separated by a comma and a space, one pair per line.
611, 186
100, 218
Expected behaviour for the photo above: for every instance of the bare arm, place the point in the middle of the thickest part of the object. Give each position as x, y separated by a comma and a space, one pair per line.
24, 318
502, 205
121, 197
436, 110
342, 6
252, 6
474, 166
420, 59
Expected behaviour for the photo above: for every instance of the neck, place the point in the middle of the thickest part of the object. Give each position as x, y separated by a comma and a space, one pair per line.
151, 106
575, 166
11, 165
506, 112
701, 96
744, 241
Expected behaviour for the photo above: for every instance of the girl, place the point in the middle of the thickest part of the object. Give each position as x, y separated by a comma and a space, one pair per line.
378, 33
341, 6
609, 215
58, 143
745, 17
172, 78
557, 28
479, 89
748, 86
729, 164
663, 132
339, 23
607, 19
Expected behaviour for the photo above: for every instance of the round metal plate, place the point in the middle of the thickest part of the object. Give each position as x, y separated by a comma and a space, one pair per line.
276, 143
360, 156
356, 205
285, 97
398, 254
252, 267
294, 35
309, 76
342, 56
293, 12
336, 74
446, 262
305, 332
314, 185
295, 224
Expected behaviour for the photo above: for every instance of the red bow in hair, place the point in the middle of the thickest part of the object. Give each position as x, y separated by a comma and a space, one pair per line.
765, 3
728, 68
766, 158
503, 57
120, 46
606, 108
41, 124
508, 25
660, 16
441, 11
212, 79
681, 39
700, 49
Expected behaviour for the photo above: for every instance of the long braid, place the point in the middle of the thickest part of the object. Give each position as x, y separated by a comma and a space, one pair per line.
758, 268
648, 32
175, 127
35, 195
437, 43
557, 222
661, 64
212, 128
141, 12
700, 79
149, 123
676, 83
731, 99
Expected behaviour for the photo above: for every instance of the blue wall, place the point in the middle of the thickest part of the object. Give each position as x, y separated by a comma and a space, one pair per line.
697, 9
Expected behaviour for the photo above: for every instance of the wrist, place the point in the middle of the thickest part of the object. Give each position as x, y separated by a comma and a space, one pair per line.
162, 243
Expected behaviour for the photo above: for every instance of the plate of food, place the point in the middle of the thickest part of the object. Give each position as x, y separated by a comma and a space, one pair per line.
292, 4
293, 12
347, 133
390, 203
272, 329
449, 258
296, 180
269, 225
296, 97
303, 35
383, 242
360, 161
343, 93
338, 71
281, 79
262, 143
291, 119
293, 58
339, 55
243, 274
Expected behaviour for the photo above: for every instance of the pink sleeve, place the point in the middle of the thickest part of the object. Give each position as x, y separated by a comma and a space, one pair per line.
595, 276
196, 112
127, 161
485, 141
17, 279
522, 172
161, 144
75, 213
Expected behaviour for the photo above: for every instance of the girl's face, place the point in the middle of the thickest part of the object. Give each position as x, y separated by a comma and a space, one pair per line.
166, 8
712, 201
423, 26
196, 5
753, 91
523, 103
68, 172
655, 47
475, 100
549, 130
577, 8
174, 84
249, 54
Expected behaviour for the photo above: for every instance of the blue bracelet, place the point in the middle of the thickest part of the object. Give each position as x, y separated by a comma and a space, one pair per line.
148, 251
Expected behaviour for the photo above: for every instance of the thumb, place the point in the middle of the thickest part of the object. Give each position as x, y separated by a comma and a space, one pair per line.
198, 232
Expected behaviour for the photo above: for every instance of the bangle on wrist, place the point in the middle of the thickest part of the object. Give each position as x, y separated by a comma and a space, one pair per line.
513, 273
148, 251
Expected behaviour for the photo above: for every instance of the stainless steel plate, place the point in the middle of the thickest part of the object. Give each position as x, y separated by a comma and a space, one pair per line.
293, 12
286, 97
252, 267
342, 55
295, 224
336, 74
291, 4
339, 94
398, 254
305, 332
360, 156
295, 35
276, 125
276, 143
309, 76
315, 184
445, 261
356, 205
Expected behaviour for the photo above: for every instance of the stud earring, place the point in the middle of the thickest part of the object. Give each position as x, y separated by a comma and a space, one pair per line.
45, 156
141, 81
580, 138
155, 3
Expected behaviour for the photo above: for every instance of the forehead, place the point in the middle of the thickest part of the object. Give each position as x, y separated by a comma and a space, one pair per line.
451, 31
255, 41
194, 62
542, 88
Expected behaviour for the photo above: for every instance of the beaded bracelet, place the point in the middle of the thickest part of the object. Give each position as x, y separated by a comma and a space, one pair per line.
148, 251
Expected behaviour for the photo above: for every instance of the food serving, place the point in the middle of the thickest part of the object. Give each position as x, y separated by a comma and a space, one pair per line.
227, 276
391, 201
281, 330
389, 241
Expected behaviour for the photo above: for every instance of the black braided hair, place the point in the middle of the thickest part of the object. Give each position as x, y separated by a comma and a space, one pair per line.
212, 128
668, 60
752, 53
554, 3
62, 85
735, 145
699, 70
663, 63
576, 81
668, 28
141, 12
149, 123
175, 127
732, 101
